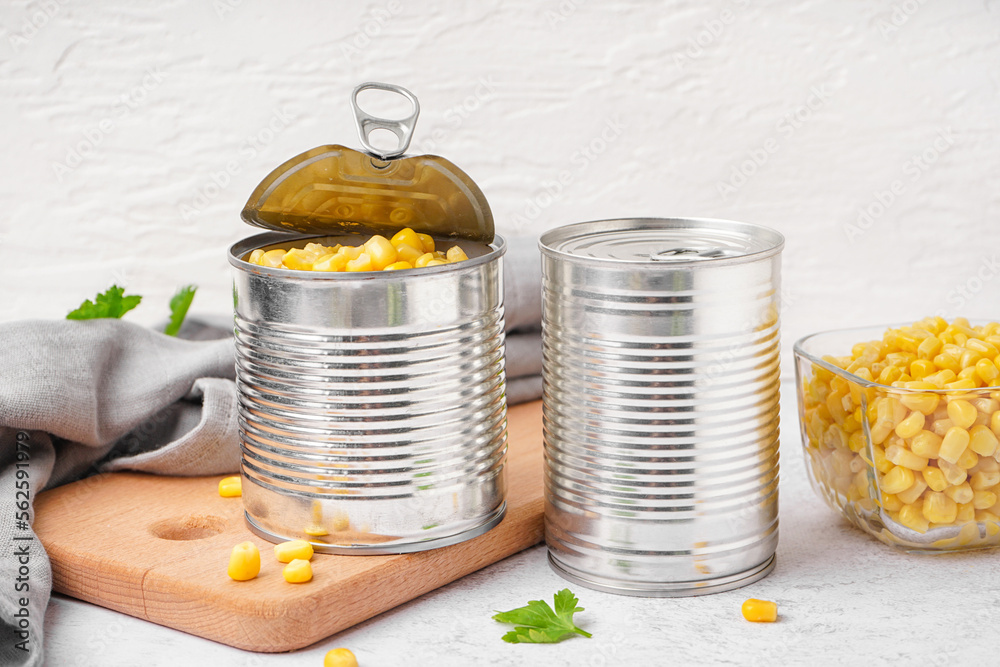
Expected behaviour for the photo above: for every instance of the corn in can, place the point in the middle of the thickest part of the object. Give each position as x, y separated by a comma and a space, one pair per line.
661, 379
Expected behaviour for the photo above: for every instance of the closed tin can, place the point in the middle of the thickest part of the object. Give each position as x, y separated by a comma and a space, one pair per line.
661, 378
372, 410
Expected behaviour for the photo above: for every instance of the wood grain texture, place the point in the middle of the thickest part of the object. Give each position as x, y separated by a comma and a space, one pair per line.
113, 540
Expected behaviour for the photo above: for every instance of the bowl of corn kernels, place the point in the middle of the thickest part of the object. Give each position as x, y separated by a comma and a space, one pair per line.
901, 430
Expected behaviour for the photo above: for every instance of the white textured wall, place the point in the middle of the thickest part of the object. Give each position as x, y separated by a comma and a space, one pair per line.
116, 117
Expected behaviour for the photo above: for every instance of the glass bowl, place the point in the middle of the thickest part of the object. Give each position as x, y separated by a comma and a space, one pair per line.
918, 468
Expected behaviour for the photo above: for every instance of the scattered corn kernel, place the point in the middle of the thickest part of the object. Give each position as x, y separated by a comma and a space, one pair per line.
340, 657
298, 571
286, 552
231, 487
760, 611
244, 562
376, 254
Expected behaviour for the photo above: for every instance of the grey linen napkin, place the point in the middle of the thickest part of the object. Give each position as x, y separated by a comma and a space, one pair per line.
80, 398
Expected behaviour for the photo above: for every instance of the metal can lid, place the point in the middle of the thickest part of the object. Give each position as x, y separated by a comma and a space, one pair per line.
662, 242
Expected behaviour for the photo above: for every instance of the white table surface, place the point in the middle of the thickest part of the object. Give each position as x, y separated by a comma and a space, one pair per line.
843, 598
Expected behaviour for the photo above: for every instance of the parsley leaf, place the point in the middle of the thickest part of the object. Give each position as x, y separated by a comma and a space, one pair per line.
112, 303
179, 305
539, 624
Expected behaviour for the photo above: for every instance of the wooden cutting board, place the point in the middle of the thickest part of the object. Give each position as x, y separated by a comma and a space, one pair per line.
157, 548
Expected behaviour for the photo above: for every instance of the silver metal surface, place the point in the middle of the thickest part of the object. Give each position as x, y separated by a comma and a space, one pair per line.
372, 405
402, 128
661, 381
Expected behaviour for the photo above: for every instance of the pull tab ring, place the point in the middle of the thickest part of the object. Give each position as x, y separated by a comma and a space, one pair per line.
403, 129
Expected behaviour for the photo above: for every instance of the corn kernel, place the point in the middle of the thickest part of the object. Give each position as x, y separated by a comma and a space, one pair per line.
983, 481
982, 441
456, 254
954, 444
966, 512
408, 253
298, 571
286, 552
351, 251
436, 262
912, 425
408, 237
968, 459
381, 252
912, 494
982, 500
244, 562
913, 518
939, 508
255, 256
362, 263
891, 502
987, 371
398, 266
926, 444
231, 487
905, 458
934, 478
272, 259
426, 242
961, 413
423, 260
922, 403
928, 347
301, 260
896, 480
960, 493
332, 262
340, 657
760, 611
953, 473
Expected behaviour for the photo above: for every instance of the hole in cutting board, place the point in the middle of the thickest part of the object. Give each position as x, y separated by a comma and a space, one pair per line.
191, 527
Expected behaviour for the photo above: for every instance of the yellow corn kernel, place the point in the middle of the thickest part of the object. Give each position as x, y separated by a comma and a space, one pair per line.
921, 368
953, 445
961, 383
982, 500
438, 254
926, 444
423, 260
272, 259
398, 266
426, 242
351, 251
856, 441
983, 481
298, 571
381, 252
456, 254
929, 347
286, 552
953, 473
362, 263
984, 516
340, 657
939, 508
912, 517
905, 458
408, 253
922, 403
315, 530
406, 236
966, 512
961, 413
244, 562
946, 362
760, 611
983, 441
987, 371
299, 259
995, 423
912, 425
940, 426
255, 256
332, 262
968, 459
889, 374
912, 494
436, 262
882, 464
934, 478
960, 493
890, 502
985, 405
231, 487
896, 480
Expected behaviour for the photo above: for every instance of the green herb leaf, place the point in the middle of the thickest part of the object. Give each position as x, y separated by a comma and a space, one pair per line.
179, 305
539, 624
112, 304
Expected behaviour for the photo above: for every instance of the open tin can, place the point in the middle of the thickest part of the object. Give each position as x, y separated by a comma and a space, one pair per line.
660, 403
371, 405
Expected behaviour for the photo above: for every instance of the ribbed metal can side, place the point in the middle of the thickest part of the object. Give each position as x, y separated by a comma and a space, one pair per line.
660, 422
372, 410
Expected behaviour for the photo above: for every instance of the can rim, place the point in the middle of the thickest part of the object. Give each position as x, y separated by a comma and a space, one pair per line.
775, 241
243, 246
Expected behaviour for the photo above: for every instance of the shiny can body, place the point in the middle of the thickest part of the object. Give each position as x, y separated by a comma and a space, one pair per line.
661, 379
371, 405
